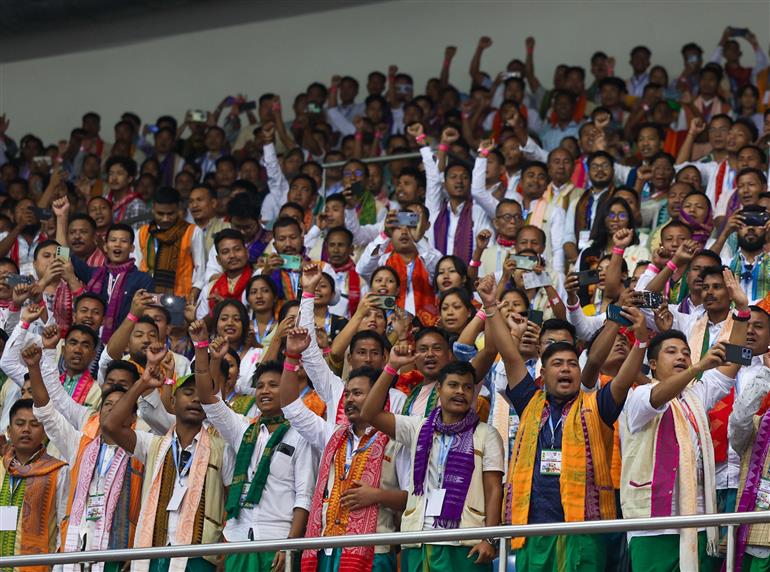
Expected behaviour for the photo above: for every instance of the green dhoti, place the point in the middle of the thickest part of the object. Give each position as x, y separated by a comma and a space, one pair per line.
256, 561
193, 565
582, 552
441, 558
754, 564
660, 553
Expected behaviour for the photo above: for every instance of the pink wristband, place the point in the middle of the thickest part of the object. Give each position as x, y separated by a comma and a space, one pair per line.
276, 107
652, 268
481, 315
573, 308
383, 236
475, 263
359, 136
642, 345
290, 366
132, 317
443, 147
390, 370
618, 251
202, 344
671, 266
24, 325
743, 314
420, 138
327, 351
14, 308
168, 381
377, 135
484, 152
308, 295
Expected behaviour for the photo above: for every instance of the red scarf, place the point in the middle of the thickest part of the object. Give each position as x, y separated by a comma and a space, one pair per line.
718, 417
504, 242
15, 248
82, 388
424, 296
222, 287
721, 173
361, 521
354, 284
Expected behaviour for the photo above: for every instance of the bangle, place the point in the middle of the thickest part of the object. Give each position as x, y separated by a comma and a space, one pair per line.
132, 317
443, 147
390, 370
490, 314
327, 351
308, 294
640, 344
287, 355
481, 315
671, 266
652, 268
24, 325
359, 136
573, 308
742, 315
290, 366
484, 152
474, 263
421, 137
201, 344
617, 250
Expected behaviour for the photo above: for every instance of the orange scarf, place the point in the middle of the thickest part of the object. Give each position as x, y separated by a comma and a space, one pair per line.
424, 297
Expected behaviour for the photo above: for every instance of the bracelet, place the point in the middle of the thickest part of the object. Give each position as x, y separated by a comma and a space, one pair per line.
333, 89
481, 315
377, 135
652, 268
359, 136
671, 266
443, 147
24, 325
490, 314
308, 294
297, 357
474, 263
14, 308
617, 250
555, 301
484, 152
421, 137
742, 315
327, 351
276, 107
640, 344
132, 317
390, 370
383, 236
201, 344
290, 366
574, 308
168, 381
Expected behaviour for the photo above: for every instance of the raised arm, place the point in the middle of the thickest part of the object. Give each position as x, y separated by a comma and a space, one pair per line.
534, 83
449, 53
662, 393
696, 127
629, 371
373, 410
600, 349
114, 425
738, 333
475, 69
613, 283
118, 342
746, 406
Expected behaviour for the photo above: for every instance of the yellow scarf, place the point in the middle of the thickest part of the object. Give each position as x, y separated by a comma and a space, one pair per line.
583, 419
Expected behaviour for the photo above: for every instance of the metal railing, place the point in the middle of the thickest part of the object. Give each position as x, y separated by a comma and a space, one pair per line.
731, 520
380, 159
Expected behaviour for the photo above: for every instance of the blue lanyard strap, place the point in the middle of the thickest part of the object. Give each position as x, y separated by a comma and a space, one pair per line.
445, 444
350, 453
176, 454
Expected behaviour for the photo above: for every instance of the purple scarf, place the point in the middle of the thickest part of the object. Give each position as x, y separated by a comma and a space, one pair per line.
459, 463
748, 499
98, 284
463, 244
700, 231
258, 246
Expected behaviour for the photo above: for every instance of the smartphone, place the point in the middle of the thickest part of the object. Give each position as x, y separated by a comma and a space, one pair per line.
651, 300
313, 107
509, 75
613, 313
588, 277
739, 32
408, 218
42, 214
291, 262
755, 218
740, 355
175, 306
535, 280
536, 317
384, 302
357, 188
45, 159
63, 253
524, 262
229, 100
153, 129
14, 280
198, 116
247, 106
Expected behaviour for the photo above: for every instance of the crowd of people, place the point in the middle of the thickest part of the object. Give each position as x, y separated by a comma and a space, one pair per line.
511, 305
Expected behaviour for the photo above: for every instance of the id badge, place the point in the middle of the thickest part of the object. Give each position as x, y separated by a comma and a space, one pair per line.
8, 517
95, 508
763, 495
550, 462
435, 502
245, 493
176, 499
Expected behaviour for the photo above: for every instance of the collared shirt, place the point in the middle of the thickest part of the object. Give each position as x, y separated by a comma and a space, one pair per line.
290, 484
637, 83
26, 252
551, 135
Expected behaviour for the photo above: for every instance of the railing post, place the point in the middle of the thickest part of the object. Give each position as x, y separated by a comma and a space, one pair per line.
730, 563
502, 555
288, 561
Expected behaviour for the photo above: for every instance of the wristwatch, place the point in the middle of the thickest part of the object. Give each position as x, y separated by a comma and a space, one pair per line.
494, 542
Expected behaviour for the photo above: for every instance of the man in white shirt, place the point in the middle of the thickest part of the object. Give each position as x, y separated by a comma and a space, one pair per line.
640, 61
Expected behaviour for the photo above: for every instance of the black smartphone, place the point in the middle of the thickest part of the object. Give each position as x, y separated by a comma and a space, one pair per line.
613, 313
175, 306
42, 214
755, 218
357, 189
588, 277
739, 32
740, 355
651, 300
14, 280
536, 317
247, 106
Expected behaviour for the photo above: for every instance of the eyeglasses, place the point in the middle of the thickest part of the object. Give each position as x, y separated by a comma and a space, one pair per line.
509, 217
599, 167
719, 129
619, 216
357, 173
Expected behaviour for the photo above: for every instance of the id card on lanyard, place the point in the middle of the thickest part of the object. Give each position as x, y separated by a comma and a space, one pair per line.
550, 457
435, 501
180, 487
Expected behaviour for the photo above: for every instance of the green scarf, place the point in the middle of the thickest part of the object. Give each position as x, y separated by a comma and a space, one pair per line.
243, 459
412, 397
8, 498
368, 212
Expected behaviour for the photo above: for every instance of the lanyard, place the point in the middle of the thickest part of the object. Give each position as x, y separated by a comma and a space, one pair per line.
111, 281
553, 429
294, 279
409, 272
14, 483
328, 323
304, 392
350, 453
690, 416
267, 330
176, 453
100, 472
445, 444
